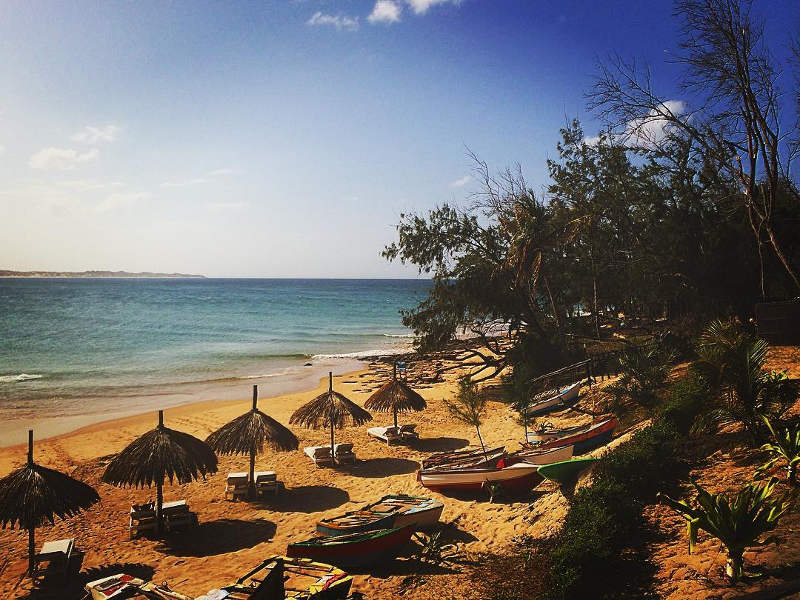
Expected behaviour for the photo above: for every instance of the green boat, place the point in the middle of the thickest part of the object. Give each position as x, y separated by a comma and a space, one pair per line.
566, 471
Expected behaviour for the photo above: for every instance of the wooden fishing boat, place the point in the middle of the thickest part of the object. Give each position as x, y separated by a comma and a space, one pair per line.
545, 456
586, 438
565, 472
554, 400
547, 432
354, 549
283, 577
473, 456
512, 474
398, 510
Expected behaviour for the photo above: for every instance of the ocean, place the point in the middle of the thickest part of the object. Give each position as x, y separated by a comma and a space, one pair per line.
109, 347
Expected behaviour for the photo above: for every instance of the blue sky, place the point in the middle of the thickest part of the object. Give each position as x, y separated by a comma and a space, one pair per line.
283, 138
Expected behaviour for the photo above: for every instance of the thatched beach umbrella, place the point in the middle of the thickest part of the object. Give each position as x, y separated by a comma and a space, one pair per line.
330, 409
248, 434
394, 397
159, 454
34, 494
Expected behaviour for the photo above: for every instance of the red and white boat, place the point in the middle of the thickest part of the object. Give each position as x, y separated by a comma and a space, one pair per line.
546, 456
583, 438
513, 474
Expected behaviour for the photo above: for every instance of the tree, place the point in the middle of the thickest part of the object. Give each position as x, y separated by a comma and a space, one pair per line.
739, 126
468, 406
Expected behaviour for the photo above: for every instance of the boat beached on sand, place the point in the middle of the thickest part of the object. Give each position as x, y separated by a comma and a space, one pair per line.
585, 438
470, 457
353, 549
512, 473
554, 399
391, 511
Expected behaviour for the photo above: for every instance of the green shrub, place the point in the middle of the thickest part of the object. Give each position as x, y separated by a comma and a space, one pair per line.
689, 398
643, 463
643, 371
604, 517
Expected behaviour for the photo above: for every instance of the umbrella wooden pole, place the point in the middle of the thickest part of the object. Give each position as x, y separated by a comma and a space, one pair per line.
333, 447
160, 488
251, 487
394, 378
31, 526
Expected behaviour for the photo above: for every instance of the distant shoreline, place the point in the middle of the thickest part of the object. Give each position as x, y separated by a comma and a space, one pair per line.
94, 275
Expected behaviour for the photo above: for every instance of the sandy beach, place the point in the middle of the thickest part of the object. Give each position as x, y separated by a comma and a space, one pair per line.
234, 537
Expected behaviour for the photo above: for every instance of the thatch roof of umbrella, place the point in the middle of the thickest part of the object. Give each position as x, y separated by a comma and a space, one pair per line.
330, 410
34, 494
159, 454
395, 396
249, 433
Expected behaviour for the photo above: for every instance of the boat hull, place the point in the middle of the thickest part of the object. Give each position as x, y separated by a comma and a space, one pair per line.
350, 551
392, 511
561, 400
516, 478
587, 439
379, 522
547, 455
565, 472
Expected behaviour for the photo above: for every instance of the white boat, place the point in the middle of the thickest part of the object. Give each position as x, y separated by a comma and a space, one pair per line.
547, 456
518, 476
559, 399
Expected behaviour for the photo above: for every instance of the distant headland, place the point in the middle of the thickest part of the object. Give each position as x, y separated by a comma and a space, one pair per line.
98, 274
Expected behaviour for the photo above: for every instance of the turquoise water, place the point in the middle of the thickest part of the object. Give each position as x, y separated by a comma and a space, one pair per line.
70, 340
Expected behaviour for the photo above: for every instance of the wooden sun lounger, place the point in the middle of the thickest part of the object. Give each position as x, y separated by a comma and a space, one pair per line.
57, 555
176, 515
267, 481
236, 485
408, 432
321, 455
390, 435
344, 454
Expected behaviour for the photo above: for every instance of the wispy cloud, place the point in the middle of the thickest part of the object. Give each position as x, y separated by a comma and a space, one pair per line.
222, 172
184, 182
94, 135
319, 19
226, 205
120, 200
87, 185
461, 182
385, 11
420, 7
61, 159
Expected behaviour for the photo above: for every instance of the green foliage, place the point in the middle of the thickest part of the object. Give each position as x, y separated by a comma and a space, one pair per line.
737, 522
643, 370
731, 361
652, 456
435, 550
603, 518
688, 399
784, 447
468, 406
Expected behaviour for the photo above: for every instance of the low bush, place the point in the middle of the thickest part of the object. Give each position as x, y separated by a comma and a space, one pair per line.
604, 517
688, 399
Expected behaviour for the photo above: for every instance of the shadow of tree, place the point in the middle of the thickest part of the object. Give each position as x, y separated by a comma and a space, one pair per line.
306, 499
218, 537
438, 444
383, 467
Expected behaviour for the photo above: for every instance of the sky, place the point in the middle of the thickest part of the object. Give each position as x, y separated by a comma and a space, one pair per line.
283, 138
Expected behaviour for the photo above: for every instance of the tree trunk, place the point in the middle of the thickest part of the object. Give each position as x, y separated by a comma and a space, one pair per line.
395, 417
779, 253
734, 567
480, 439
556, 312
792, 477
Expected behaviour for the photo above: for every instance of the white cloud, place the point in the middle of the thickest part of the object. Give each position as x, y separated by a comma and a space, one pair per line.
420, 7
461, 182
86, 185
385, 11
339, 22
222, 172
646, 131
62, 159
2, 149
121, 199
93, 135
218, 206
184, 182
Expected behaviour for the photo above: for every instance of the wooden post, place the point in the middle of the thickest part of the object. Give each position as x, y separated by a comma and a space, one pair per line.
160, 486
32, 526
333, 447
251, 486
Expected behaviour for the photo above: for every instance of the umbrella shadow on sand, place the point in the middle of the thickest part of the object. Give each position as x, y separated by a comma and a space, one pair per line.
439, 444
306, 499
218, 537
59, 589
382, 467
